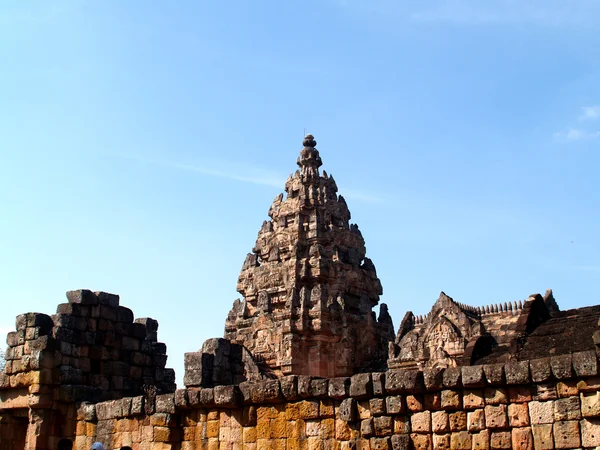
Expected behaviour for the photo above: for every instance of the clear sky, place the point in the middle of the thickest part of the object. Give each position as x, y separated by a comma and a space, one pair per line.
142, 143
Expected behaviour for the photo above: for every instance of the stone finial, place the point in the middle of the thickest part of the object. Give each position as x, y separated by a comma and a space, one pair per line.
309, 160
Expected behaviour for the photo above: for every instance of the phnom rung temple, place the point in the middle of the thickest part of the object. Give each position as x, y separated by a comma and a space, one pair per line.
310, 359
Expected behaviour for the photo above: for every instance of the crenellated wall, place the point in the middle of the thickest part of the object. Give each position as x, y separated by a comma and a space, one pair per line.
543, 404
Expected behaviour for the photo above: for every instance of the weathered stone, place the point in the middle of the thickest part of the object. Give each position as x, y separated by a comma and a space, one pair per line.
476, 420
318, 387
460, 440
394, 404
590, 432
495, 416
441, 441
404, 381
566, 434
517, 372
495, 396
518, 415
347, 410
472, 376
562, 366
377, 406
338, 387
289, 387
494, 373
401, 442
567, 409
451, 400
585, 363
473, 399
433, 378
542, 437
378, 379
458, 421
330, 273
522, 439
226, 396
541, 412
452, 378
439, 422
421, 422
361, 386
500, 440
540, 370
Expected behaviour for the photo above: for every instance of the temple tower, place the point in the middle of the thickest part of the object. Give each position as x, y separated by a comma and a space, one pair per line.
308, 289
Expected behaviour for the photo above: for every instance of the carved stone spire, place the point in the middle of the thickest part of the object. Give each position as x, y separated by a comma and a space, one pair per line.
308, 288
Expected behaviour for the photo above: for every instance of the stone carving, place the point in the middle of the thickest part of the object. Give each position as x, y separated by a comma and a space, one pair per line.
308, 288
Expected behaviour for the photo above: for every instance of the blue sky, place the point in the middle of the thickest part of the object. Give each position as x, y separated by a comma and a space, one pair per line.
142, 143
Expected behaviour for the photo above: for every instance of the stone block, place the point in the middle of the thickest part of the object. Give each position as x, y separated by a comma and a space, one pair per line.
206, 396
566, 434
289, 387
494, 373
440, 422
361, 386
401, 442
347, 410
476, 420
104, 298
384, 426
518, 415
452, 378
481, 440
421, 441
394, 404
540, 370
495, 416
542, 437
226, 396
366, 428
421, 422
318, 387
544, 392
472, 376
566, 388
378, 379
165, 403
567, 409
495, 396
377, 406
181, 399
383, 443
500, 440
517, 372
522, 439
401, 424
585, 363
339, 387
473, 399
460, 440
541, 412
404, 381
433, 379
451, 399
414, 403
562, 366
590, 432
441, 441
82, 297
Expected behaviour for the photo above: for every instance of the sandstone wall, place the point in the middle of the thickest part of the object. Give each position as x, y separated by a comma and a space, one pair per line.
543, 404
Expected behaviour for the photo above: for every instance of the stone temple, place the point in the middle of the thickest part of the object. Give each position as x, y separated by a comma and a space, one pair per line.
306, 363
308, 288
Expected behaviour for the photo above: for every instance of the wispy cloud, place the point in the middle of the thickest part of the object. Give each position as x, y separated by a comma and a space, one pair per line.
576, 134
590, 112
251, 174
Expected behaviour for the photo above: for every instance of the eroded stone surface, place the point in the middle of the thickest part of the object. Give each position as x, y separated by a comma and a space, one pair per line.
308, 288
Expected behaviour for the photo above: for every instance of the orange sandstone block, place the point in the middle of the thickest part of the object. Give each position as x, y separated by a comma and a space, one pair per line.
278, 428
263, 429
212, 429
249, 435
162, 434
